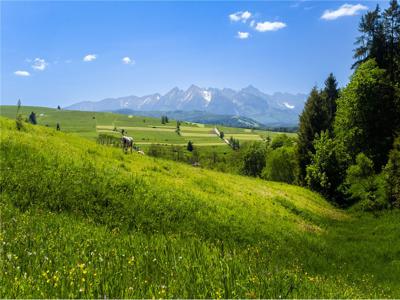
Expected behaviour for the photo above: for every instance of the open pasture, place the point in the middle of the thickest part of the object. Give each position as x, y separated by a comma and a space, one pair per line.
144, 130
244, 137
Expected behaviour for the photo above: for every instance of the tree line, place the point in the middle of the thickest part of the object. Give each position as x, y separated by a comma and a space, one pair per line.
348, 141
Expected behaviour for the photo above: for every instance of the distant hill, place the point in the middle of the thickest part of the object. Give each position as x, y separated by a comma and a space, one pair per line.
198, 117
278, 109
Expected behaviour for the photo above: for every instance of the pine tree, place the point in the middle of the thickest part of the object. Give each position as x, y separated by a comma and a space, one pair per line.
330, 94
313, 120
32, 118
190, 146
380, 34
18, 118
391, 21
372, 42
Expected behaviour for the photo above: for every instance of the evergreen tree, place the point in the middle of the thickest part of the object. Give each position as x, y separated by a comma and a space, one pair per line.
372, 42
32, 118
190, 146
330, 94
391, 21
380, 35
313, 120
18, 118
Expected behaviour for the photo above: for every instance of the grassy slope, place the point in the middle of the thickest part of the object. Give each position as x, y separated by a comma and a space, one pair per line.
82, 220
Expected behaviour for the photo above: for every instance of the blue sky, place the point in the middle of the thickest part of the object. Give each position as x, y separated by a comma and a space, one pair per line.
65, 52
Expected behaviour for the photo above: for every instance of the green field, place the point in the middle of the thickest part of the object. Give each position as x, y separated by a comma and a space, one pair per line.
144, 130
85, 221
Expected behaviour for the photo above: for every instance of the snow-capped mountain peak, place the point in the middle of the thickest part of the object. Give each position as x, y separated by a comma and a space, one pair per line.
288, 105
247, 102
207, 95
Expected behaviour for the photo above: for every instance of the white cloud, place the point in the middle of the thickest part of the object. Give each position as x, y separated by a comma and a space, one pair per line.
22, 73
90, 57
39, 64
127, 61
344, 10
269, 26
242, 35
252, 23
240, 16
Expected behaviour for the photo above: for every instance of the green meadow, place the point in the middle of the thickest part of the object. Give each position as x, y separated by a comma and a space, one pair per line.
81, 220
144, 130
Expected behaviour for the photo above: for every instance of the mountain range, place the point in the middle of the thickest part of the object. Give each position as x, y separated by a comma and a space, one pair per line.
278, 109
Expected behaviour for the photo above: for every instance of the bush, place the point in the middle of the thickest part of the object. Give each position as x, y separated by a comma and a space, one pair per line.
253, 159
281, 140
280, 165
392, 175
155, 150
365, 186
327, 169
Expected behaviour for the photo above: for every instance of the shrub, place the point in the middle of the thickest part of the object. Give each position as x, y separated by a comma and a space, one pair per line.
155, 150
392, 174
327, 169
280, 165
281, 140
253, 159
364, 185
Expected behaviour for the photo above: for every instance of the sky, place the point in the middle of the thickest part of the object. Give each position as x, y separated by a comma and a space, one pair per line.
60, 53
